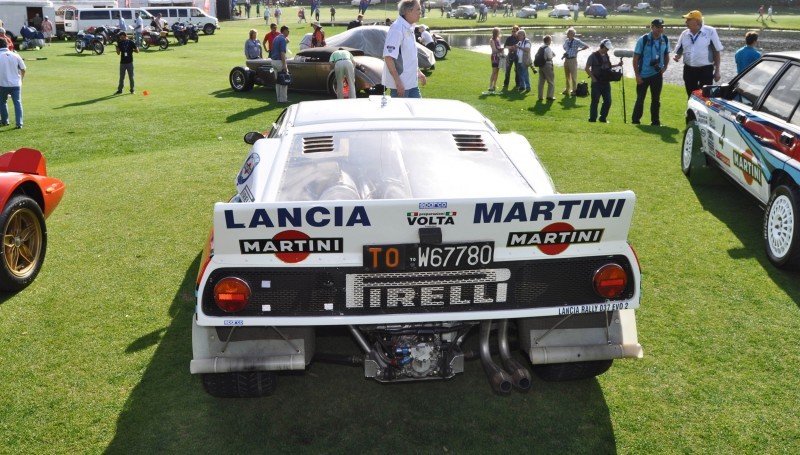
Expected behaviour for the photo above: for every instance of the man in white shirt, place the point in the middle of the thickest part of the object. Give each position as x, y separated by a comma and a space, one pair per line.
12, 71
401, 74
700, 48
138, 26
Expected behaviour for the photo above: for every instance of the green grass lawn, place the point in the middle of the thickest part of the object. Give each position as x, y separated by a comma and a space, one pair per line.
95, 353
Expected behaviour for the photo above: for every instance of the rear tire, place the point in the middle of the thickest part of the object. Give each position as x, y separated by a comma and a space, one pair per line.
163, 43
440, 51
98, 47
781, 227
251, 384
240, 79
573, 371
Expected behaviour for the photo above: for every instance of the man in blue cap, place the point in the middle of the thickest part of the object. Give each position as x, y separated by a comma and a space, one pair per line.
650, 61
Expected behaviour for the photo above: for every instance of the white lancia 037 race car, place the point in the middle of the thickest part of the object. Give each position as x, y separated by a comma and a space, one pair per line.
413, 224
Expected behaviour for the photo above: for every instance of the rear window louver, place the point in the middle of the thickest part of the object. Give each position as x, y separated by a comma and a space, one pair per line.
317, 144
470, 142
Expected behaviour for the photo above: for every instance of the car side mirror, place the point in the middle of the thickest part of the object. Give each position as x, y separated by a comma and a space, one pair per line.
252, 137
716, 91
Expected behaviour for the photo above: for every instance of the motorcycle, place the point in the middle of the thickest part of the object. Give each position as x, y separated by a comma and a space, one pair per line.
183, 33
108, 34
152, 38
88, 41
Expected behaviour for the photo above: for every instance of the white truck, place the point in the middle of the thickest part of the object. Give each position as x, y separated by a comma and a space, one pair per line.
18, 13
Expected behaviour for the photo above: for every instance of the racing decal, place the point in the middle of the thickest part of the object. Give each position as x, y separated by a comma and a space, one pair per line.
430, 219
748, 164
432, 205
555, 238
291, 246
246, 195
247, 169
499, 212
723, 159
427, 289
298, 217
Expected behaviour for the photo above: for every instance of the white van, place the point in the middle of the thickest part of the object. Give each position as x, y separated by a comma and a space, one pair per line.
19, 13
73, 6
81, 19
208, 24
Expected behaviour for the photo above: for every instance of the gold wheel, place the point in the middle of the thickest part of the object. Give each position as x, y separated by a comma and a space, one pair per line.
22, 243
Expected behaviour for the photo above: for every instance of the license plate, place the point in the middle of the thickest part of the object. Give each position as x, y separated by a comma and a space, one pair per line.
456, 256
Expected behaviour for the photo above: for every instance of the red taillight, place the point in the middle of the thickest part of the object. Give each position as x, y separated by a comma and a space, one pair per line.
231, 294
610, 281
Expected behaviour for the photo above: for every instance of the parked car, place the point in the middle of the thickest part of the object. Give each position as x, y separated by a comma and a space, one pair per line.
311, 71
370, 39
527, 11
560, 10
749, 129
624, 8
463, 12
596, 10
643, 6
27, 197
412, 223
436, 4
540, 5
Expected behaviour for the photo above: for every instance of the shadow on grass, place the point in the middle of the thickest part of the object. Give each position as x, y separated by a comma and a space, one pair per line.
744, 216
668, 134
87, 102
334, 409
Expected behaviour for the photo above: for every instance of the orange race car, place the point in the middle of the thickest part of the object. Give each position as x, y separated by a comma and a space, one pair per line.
27, 197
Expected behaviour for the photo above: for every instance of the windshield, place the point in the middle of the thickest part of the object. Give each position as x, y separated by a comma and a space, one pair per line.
398, 165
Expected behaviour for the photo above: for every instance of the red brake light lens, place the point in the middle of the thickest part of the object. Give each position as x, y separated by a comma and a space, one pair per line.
610, 281
231, 294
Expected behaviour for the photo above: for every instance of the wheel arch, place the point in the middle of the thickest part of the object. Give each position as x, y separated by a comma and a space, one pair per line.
781, 177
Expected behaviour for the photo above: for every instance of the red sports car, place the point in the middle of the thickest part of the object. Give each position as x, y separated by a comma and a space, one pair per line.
27, 196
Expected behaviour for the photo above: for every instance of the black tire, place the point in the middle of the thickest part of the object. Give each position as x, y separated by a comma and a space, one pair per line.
240, 79
78, 47
573, 371
145, 44
98, 47
781, 229
690, 148
24, 243
163, 43
209, 29
440, 51
251, 384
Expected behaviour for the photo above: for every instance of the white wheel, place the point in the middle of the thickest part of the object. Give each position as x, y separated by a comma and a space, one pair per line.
780, 222
691, 141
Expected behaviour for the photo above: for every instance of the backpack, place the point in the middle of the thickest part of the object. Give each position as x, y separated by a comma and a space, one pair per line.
582, 89
538, 60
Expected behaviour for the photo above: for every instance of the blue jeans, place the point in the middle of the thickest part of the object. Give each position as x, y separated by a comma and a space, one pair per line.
410, 93
16, 98
524, 77
600, 89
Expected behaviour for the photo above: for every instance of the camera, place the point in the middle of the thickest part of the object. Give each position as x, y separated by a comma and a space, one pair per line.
656, 64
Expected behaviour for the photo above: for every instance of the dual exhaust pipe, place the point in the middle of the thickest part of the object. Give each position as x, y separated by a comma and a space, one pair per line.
512, 374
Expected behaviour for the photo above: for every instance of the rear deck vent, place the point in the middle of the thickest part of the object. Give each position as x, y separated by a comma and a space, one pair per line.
318, 144
470, 142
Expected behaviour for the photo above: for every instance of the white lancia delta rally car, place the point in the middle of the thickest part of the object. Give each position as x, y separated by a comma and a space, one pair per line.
415, 224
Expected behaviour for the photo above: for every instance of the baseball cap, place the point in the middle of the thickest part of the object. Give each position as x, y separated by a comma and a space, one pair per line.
606, 43
658, 22
694, 15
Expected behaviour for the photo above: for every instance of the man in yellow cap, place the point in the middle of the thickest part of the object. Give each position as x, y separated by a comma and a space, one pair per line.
700, 48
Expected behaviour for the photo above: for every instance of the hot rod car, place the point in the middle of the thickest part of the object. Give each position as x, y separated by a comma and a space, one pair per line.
311, 71
28, 196
414, 224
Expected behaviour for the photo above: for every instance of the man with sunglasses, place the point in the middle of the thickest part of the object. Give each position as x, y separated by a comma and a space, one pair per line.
650, 60
700, 48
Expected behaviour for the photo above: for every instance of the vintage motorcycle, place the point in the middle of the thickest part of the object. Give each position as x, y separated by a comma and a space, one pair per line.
185, 32
89, 41
108, 34
153, 38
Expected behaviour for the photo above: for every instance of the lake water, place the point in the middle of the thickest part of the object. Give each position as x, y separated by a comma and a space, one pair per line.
732, 39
